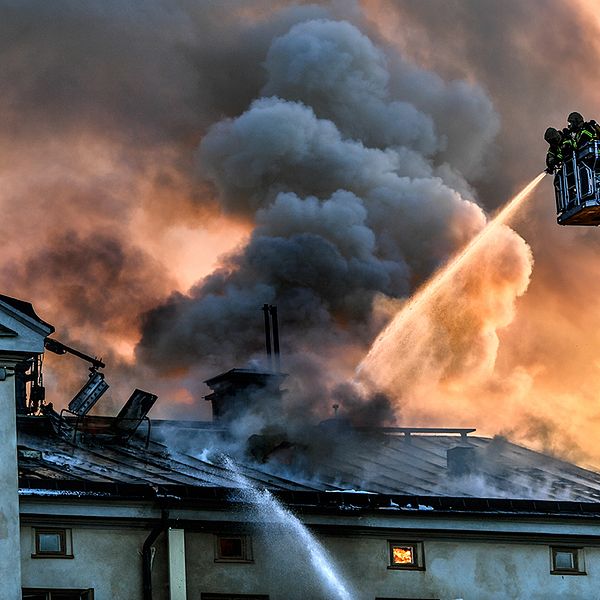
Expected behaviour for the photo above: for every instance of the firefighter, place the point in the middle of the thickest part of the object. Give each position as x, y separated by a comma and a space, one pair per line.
581, 132
554, 156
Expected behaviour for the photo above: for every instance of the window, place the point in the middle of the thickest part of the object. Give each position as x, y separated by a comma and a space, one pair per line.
52, 543
233, 548
406, 555
566, 561
50, 594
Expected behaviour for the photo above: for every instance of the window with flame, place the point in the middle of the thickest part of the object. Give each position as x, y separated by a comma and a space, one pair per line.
406, 555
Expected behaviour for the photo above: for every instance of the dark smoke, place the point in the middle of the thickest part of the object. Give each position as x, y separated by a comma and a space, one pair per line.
351, 162
523, 53
85, 264
371, 410
347, 136
351, 192
102, 109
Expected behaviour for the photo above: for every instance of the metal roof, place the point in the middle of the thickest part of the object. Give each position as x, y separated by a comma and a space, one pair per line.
392, 461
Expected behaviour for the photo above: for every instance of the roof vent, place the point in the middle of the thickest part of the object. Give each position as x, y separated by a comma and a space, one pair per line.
461, 461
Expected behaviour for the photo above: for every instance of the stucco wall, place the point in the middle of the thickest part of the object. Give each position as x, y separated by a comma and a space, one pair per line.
108, 560
469, 570
9, 500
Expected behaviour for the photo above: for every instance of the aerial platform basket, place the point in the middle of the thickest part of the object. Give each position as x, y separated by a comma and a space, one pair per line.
577, 187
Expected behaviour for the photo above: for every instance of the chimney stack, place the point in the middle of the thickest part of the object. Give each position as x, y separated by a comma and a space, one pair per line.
265, 310
276, 352
272, 329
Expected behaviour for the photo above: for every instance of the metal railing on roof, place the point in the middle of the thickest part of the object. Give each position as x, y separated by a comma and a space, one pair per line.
408, 431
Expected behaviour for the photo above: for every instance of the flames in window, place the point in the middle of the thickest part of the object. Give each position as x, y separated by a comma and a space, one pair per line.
403, 555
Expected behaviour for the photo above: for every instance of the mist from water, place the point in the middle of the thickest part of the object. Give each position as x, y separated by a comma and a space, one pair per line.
390, 340
270, 510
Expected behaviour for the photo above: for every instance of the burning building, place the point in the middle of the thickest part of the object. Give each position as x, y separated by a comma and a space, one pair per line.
125, 507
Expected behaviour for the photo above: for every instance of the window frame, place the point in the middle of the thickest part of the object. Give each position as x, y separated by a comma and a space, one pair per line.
246, 556
66, 542
578, 561
211, 596
418, 550
50, 591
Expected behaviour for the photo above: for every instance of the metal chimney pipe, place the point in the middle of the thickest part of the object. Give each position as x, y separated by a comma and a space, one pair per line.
265, 309
273, 311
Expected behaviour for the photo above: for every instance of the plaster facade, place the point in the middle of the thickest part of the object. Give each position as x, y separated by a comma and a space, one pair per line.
454, 569
503, 559
21, 336
105, 558
9, 505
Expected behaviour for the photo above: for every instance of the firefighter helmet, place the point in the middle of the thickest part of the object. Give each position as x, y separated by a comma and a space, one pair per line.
552, 135
575, 119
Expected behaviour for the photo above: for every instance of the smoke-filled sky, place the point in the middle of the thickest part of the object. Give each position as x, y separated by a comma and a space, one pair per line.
169, 167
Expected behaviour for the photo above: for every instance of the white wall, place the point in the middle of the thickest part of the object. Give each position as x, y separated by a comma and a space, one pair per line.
469, 570
10, 578
109, 560
106, 559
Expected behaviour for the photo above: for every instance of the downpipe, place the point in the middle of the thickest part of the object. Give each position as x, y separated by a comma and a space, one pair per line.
147, 554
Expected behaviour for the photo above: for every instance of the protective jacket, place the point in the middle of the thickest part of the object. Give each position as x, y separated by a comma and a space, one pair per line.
588, 132
554, 158
567, 143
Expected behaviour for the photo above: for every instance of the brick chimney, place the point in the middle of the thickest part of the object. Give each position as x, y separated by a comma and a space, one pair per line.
22, 335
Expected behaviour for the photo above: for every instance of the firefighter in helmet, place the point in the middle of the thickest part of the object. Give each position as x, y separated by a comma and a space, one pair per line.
554, 156
580, 131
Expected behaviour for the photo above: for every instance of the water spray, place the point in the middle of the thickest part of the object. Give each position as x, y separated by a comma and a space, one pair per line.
424, 295
270, 509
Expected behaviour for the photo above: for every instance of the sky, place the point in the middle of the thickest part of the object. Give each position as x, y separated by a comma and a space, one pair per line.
169, 167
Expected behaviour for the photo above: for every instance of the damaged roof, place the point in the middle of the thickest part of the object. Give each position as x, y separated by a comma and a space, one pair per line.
187, 456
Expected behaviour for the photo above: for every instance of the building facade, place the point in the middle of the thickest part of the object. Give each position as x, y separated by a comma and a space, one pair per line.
93, 509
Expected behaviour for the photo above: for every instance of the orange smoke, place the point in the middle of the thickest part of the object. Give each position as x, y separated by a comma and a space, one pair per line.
540, 385
95, 241
489, 352
443, 357
505, 347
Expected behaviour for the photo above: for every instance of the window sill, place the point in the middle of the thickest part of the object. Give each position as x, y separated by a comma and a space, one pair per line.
49, 555
568, 573
239, 561
408, 568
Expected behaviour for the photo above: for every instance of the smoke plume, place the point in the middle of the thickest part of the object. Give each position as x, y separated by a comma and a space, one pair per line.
350, 194
166, 170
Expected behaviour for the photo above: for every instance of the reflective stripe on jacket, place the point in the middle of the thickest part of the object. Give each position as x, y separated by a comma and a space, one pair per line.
553, 157
586, 134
